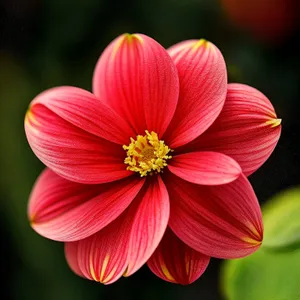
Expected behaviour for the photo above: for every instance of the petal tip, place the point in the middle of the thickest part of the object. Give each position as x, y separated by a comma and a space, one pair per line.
32, 215
130, 37
32, 219
201, 43
126, 274
105, 276
274, 122
27, 115
30, 118
125, 40
184, 279
166, 272
255, 238
252, 241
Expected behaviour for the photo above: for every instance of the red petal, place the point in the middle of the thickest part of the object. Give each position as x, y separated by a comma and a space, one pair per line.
247, 129
103, 256
207, 168
149, 225
136, 77
203, 84
176, 262
72, 152
71, 253
85, 111
129, 241
222, 221
63, 210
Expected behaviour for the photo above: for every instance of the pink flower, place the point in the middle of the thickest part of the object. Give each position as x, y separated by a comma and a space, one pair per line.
152, 166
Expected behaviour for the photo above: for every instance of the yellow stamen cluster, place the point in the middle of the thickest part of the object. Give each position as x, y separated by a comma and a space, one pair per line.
147, 154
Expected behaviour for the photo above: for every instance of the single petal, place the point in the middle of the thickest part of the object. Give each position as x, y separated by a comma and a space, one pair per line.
71, 152
63, 210
85, 111
103, 256
207, 168
176, 262
150, 222
222, 221
203, 84
246, 130
137, 78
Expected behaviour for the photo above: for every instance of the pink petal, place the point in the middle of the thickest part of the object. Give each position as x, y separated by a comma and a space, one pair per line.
149, 225
71, 152
247, 129
103, 256
71, 253
137, 78
203, 85
176, 262
207, 168
222, 221
85, 111
63, 210
130, 240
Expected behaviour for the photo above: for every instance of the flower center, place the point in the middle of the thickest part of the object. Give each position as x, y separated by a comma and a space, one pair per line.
147, 154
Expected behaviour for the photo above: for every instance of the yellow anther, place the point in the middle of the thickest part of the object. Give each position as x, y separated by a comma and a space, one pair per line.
147, 154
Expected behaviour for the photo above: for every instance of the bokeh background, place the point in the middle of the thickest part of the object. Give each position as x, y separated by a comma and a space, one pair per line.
45, 43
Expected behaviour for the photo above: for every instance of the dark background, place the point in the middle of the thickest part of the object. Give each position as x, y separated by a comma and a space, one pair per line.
55, 42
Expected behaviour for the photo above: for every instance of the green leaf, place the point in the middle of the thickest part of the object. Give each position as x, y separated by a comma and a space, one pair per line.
282, 220
270, 274
264, 275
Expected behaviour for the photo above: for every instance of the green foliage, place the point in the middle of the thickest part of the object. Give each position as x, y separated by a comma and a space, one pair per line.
273, 272
282, 219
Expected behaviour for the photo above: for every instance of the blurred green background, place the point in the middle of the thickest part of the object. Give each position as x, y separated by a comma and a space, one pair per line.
45, 43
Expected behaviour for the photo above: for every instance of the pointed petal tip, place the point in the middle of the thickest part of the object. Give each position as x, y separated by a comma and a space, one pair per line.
274, 122
125, 274
30, 118
167, 273
130, 37
103, 277
201, 43
125, 40
193, 44
252, 241
184, 280
175, 262
255, 238
32, 220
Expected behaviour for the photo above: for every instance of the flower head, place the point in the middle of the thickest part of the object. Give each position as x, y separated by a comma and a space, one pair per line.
147, 154
151, 167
